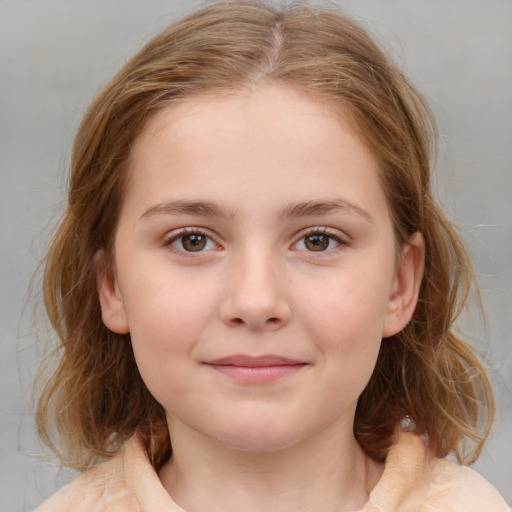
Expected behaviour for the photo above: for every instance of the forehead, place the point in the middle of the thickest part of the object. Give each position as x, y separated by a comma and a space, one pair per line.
270, 105
248, 140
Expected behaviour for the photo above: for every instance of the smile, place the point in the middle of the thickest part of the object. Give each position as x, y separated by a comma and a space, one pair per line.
255, 370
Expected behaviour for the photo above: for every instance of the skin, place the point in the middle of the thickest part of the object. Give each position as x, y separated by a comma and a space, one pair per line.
240, 175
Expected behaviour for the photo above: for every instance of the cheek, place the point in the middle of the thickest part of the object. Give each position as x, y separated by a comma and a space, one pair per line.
345, 319
166, 305
167, 316
350, 309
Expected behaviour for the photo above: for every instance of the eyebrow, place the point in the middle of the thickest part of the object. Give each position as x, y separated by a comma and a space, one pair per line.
212, 209
184, 207
323, 207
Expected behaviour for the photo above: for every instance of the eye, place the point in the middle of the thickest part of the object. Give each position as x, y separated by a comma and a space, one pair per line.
190, 241
318, 240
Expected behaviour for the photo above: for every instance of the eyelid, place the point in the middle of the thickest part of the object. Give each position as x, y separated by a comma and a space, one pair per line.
176, 234
341, 238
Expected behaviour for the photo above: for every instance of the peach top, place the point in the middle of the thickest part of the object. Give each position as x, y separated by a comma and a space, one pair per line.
413, 481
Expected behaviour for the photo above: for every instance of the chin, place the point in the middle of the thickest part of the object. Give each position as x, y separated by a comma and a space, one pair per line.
260, 436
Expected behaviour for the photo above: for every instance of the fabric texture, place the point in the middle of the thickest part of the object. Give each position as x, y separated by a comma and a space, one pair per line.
413, 481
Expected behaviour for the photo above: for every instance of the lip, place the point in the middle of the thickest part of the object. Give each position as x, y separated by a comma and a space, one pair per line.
254, 370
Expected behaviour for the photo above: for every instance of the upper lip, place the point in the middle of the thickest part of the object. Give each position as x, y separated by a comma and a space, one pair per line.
255, 361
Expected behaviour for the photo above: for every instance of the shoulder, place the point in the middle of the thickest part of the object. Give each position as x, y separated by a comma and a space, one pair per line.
100, 488
464, 489
414, 480
126, 483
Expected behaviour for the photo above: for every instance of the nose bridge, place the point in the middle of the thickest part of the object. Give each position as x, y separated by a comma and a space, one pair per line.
255, 296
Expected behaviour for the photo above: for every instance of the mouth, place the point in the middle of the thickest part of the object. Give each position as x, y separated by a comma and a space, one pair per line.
255, 370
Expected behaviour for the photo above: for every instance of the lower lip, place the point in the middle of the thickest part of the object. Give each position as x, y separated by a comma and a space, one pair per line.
257, 374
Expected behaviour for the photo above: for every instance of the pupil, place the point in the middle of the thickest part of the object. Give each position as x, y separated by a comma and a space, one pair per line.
317, 242
193, 242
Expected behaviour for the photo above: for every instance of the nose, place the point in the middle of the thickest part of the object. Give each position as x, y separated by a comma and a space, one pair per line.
255, 297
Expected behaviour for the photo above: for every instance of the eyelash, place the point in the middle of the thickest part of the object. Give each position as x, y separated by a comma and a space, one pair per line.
173, 237
322, 231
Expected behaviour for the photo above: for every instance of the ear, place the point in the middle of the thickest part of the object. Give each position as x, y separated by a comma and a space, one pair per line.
112, 306
406, 286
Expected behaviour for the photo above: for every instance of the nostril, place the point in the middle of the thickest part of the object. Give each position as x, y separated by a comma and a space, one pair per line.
270, 321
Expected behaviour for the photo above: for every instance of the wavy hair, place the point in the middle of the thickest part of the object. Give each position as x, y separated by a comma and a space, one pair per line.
94, 398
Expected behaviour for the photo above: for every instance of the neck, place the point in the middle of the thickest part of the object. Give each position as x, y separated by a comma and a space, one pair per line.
328, 472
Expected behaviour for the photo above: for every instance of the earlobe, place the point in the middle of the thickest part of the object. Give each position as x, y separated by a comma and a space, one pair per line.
112, 307
406, 286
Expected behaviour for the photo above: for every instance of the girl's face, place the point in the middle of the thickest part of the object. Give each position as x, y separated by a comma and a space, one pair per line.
255, 267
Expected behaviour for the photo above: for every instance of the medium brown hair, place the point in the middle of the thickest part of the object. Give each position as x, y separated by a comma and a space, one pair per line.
95, 397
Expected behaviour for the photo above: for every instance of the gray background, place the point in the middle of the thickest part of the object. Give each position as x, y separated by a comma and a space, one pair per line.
55, 54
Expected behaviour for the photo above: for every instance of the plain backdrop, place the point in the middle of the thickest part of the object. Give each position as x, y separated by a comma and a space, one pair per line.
54, 56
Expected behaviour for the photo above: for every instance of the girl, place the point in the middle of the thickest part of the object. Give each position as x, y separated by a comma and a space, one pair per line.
253, 288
